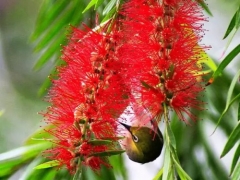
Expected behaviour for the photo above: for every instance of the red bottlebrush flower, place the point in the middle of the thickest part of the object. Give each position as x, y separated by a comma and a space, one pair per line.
161, 55
86, 99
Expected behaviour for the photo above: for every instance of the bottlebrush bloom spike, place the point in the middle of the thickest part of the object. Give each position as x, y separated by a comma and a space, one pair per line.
161, 55
86, 99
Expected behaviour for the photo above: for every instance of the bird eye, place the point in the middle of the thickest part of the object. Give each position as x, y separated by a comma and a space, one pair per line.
135, 138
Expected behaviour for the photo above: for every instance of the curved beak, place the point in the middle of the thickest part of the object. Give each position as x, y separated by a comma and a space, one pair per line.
126, 126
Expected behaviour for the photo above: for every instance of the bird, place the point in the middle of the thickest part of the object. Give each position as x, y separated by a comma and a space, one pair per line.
144, 145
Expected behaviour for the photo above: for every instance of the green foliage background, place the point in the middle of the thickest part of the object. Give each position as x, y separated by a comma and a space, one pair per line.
23, 77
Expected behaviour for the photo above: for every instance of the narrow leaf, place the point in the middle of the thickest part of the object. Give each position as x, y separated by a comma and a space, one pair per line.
235, 159
48, 164
41, 16
230, 26
226, 61
233, 138
23, 151
57, 29
236, 173
90, 4
183, 175
49, 17
159, 174
29, 171
167, 162
108, 153
49, 53
231, 88
99, 3
39, 134
229, 102
205, 7
171, 137
109, 15
109, 6
239, 111
237, 20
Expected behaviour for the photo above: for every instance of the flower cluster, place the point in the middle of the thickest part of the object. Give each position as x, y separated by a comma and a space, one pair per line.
161, 55
148, 60
86, 99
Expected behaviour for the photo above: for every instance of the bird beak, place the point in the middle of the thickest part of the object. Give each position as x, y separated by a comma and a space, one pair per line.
126, 126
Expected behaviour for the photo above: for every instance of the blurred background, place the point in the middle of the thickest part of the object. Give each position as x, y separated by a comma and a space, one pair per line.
19, 84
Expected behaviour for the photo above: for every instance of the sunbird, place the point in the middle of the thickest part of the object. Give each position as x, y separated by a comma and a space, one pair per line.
144, 145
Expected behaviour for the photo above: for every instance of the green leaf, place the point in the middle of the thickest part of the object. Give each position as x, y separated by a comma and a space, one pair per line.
96, 142
166, 163
237, 20
40, 134
205, 7
183, 175
47, 16
119, 169
171, 137
109, 6
29, 171
229, 102
233, 138
231, 25
236, 173
90, 4
57, 29
99, 3
10, 161
109, 15
108, 153
226, 61
49, 53
159, 174
48, 164
238, 111
235, 159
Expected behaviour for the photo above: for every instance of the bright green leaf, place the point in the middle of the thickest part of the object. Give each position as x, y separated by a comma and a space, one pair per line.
171, 137
90, 4
40, 134
236, 173
232, 140
226, 61
57, 29
235, 159
237, 20
230, 26
99, 3
50, 15
167, 163
109, 15
183, 175
229, 101
109, 6
29, 171
159, 174
48, 164
10, 161
238, 112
